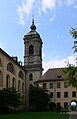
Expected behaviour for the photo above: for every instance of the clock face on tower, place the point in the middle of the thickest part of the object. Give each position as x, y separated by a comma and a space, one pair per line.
31, 58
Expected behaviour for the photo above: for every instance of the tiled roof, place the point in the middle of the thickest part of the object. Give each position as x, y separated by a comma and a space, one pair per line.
53, 74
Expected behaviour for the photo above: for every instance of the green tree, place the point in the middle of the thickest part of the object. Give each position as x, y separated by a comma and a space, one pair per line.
71, 75
71, 71
9, 98
38, 98
52, 106
73, 32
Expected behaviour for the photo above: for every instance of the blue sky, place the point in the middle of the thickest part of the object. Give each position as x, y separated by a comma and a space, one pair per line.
53, 19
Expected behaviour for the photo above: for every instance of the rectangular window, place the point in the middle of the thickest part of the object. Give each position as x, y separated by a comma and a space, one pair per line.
51, 85
65, 104
73, 93
30, 85
65, 94
65, 84
37, 85
58, 94
44, 85
51, 94
58, 104
58, 84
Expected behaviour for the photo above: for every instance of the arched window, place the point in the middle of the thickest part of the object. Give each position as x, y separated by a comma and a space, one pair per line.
22, 87
7, 81
21, 75
10, 68
13, 83
30, 77
31, 50
0, 78
19, 86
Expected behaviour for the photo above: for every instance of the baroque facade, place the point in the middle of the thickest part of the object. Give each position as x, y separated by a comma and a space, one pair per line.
21, 77
12, 73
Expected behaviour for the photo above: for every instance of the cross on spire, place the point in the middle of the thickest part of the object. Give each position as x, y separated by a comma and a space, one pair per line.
33, 27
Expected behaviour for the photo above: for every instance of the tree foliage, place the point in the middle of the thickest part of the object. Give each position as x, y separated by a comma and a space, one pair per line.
73, 32
52, 106
38, 98
71, 75
9, 98
71, 71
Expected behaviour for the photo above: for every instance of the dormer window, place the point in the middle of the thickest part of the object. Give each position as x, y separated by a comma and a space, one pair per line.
59, 76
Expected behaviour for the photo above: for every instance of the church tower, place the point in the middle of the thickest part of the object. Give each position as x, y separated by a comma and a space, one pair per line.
33, 55
32, 58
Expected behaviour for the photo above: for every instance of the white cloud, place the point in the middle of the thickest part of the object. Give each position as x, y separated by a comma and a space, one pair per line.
48, 4
66, 2
53, 52
58, 63
2, 45
24, 10
43, 54
70, 2
28, 7
53, 16
75, 6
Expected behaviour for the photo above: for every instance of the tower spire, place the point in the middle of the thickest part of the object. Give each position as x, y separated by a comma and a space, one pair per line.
33, 27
